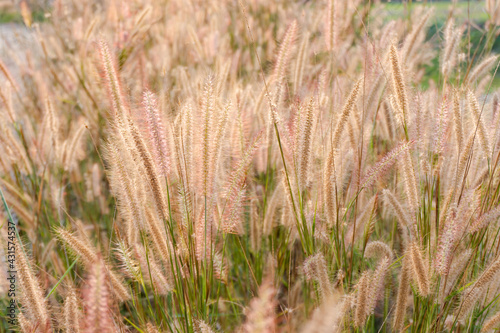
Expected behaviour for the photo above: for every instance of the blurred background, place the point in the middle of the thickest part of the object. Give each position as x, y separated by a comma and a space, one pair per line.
17, 16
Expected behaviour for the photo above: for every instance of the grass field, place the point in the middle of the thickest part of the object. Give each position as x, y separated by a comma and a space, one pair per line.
250, 166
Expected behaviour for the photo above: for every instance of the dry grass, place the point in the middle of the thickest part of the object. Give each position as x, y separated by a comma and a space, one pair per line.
251, 166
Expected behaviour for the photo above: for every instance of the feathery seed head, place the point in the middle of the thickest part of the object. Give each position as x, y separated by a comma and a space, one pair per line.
261, 315
360, 312
384, 165
346, 111
402, 294
34, 301
97, 300
420, 270
156, 132
378, 249
399, 85
72, 315
479, 122
284, 52
315, 268
112, 82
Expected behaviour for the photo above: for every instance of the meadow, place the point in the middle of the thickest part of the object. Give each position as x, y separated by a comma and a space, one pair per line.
250, 166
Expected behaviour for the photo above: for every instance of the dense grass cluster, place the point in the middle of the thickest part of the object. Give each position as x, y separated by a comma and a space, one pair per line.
251, 166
